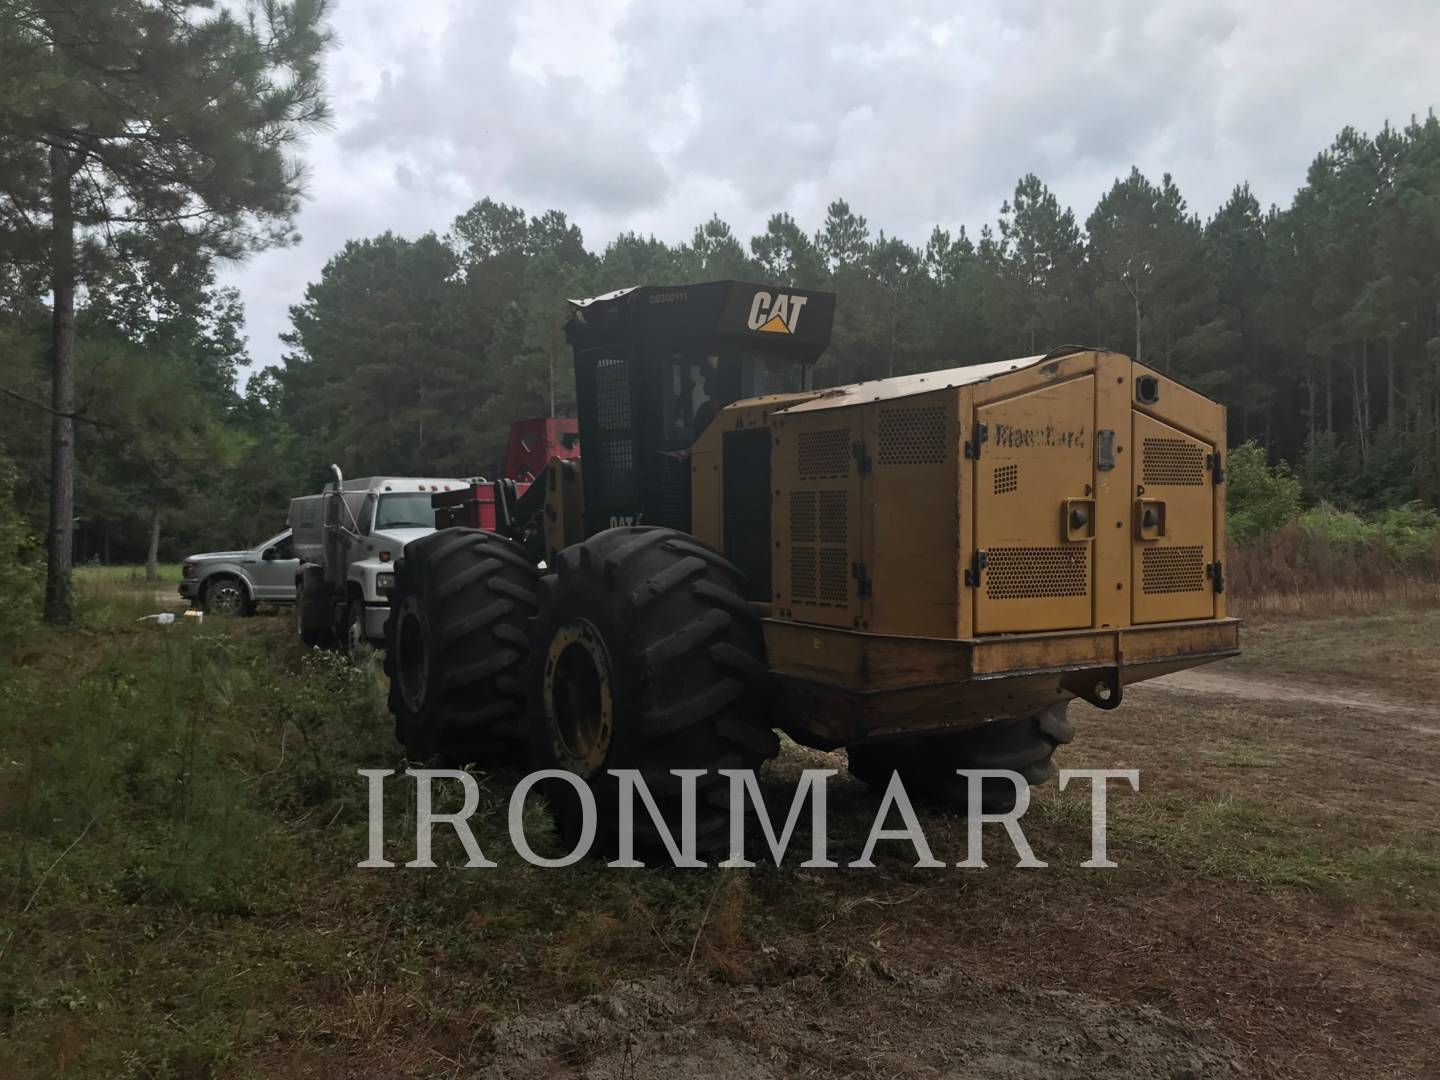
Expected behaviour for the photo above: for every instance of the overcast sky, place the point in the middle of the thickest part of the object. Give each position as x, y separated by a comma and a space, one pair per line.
652, 115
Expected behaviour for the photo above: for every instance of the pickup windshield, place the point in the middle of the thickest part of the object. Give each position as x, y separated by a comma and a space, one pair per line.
405, 510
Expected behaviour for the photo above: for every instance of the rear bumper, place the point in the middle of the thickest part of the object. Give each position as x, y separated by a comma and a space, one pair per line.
840, 686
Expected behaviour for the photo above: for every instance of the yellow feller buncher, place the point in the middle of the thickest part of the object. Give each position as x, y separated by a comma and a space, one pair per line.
924, 570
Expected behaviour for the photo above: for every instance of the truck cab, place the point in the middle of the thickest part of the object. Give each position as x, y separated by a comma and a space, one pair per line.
347, 537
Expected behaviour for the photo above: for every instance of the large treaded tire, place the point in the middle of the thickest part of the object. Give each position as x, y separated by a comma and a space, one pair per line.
927, 763
686, 679
457, 647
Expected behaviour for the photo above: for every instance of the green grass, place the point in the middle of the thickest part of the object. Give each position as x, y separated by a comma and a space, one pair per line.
124, 574
180, 819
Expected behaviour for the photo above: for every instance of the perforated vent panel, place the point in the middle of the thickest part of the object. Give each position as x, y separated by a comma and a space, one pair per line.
912, 436
612, 395
1173, 463
1021, 573
675, 493
819, 546
834, 576
834, 517
618, 457
1173, 569
1007, 479
824, 454
802, 517
802, 574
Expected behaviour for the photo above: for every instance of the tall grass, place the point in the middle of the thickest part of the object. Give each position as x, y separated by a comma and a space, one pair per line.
1327, 562
1283, 560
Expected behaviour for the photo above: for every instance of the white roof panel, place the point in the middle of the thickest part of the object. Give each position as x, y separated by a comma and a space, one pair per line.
901, 386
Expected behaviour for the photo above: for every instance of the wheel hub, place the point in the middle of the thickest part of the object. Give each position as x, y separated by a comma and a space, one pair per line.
225, 598
579, 700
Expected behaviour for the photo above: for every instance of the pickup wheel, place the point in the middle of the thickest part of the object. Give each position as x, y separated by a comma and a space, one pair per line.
647, 656
225, 595
927, 763
457, 646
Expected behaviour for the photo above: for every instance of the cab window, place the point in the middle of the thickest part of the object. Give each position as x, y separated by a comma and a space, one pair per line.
693, 396
761, 374
405, 510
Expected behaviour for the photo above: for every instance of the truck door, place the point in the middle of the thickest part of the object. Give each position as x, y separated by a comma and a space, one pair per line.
1034, 509
1174, 540
274, 577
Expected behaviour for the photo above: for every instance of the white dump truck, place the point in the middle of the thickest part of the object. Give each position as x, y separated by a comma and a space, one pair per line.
347, 539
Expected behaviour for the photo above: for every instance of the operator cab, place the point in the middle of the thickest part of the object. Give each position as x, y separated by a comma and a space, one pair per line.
655, 365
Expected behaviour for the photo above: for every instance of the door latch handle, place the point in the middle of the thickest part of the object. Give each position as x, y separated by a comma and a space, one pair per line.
1150, 519
1078, 519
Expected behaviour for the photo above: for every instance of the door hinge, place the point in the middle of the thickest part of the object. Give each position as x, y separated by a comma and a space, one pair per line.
980, 437
862, 457
862, 579
977, 566
1216, 464
1216, 573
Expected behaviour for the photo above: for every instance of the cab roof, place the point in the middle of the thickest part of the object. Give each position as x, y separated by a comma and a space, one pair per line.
400, 483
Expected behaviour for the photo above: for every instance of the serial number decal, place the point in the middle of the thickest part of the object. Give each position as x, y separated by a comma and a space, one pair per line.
669, 297
1049, 435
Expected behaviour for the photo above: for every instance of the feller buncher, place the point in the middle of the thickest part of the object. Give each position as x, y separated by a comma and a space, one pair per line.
925, 570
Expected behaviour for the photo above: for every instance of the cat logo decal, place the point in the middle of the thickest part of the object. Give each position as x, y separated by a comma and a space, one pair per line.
778, 314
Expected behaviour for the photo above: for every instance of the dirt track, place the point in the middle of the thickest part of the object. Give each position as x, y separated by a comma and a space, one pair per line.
1212, 681
899, 1023
1068, 978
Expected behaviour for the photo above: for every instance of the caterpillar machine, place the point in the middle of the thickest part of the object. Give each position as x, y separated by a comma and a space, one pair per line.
925, 569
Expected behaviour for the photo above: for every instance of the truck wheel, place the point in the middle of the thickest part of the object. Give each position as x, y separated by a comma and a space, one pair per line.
312, 608
927, 763
355, 623
225, 595
647, 656
457, 645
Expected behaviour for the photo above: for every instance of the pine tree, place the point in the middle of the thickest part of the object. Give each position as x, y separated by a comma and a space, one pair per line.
168, 122
785, 255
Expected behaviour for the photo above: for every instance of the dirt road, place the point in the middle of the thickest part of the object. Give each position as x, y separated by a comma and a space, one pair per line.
1213, 681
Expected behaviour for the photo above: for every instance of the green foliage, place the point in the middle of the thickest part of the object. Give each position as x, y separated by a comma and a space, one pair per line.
1260, 499
1405, 533
21, 577
1411, 530
1312, 323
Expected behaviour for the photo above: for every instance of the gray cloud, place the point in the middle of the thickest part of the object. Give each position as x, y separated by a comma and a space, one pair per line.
651, 115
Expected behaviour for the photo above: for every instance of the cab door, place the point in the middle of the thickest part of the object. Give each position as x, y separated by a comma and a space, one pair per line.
1035, 509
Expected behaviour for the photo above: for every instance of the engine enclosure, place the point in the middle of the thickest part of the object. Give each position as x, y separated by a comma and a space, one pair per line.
945, 548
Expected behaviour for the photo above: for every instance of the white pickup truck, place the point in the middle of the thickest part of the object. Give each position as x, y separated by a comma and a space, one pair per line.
347, 538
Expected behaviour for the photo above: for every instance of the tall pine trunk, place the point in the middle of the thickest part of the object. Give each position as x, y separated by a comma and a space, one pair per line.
1392, 409
1139, 354
1313, 391
152, 557
62, 400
